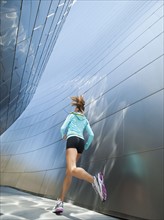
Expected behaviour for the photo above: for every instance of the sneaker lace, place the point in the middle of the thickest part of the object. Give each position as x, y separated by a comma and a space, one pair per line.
59, 203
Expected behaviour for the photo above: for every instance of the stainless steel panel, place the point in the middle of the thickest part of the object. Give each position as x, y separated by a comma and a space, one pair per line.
9, 6
145, 82
31, 181
9, 21
44, 7
7, 67
15, 164
20, 39
21, 53
52, 182
137, 180
108, 140
143, 125
27, 22
15, 93
5, 91
4, 162
9, 179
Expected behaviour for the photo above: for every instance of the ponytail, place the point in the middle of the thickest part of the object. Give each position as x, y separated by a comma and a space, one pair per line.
79, 102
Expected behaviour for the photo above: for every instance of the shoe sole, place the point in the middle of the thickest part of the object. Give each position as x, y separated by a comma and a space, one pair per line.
58, 211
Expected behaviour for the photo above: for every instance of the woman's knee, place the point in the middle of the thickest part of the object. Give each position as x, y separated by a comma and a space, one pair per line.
69, 172
74, 171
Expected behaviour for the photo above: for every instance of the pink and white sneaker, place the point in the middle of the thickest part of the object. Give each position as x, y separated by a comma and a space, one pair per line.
99, 186
58, 208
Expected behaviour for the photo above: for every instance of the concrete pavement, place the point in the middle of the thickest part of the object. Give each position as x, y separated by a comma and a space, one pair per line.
17, 205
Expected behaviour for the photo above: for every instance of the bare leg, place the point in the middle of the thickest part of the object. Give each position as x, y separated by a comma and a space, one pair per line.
66, 185
68, 178
80, 173
77, 172
71, 158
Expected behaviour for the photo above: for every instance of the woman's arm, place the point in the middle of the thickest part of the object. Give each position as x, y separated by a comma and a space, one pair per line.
90, 138
65, 126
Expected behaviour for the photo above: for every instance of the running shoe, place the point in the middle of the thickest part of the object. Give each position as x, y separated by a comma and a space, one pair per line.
99, 186
58, 209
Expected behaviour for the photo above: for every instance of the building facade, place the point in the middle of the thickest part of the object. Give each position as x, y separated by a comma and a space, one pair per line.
121, 78
28, 33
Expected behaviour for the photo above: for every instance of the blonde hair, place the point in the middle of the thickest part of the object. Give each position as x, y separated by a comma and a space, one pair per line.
79, 102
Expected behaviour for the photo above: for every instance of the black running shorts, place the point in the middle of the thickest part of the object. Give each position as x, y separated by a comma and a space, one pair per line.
75, 142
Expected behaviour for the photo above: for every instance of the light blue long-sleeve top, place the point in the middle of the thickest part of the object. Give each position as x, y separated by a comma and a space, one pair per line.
75, 125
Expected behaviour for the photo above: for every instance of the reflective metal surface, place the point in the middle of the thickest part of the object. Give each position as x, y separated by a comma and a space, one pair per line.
26, 43
121, 77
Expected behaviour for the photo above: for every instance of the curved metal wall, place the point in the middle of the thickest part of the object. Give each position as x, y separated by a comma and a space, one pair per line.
29, 30
123, 83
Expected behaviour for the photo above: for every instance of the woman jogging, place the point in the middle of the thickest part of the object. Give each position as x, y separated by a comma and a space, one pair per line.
72, 130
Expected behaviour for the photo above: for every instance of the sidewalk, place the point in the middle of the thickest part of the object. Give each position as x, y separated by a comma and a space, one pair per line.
17, 205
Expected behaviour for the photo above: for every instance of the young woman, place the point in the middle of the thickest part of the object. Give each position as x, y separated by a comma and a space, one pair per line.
72, 130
